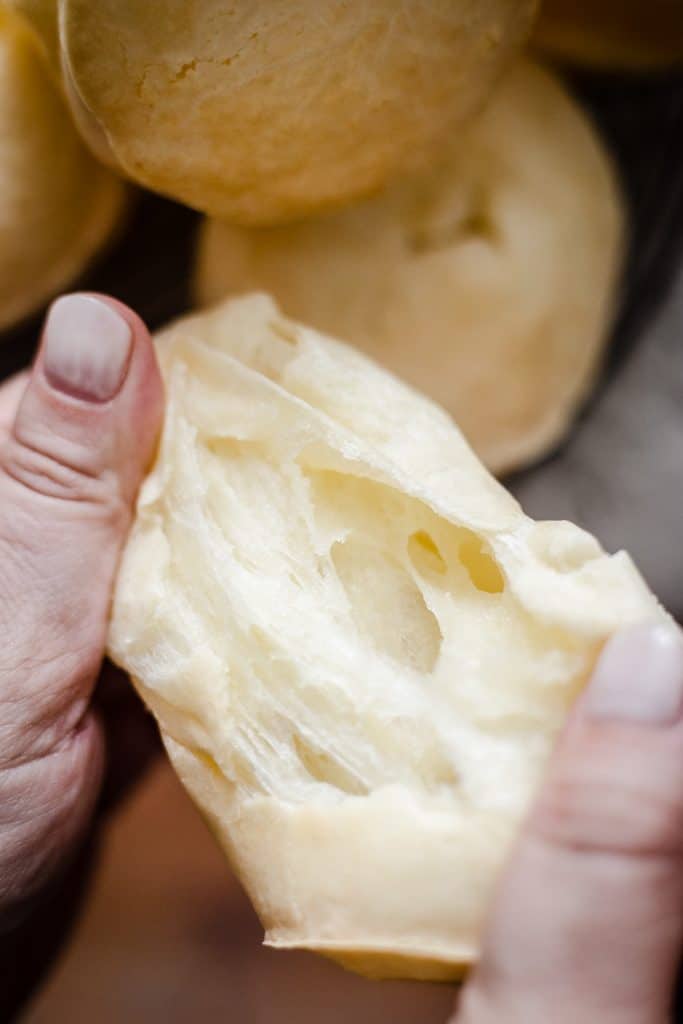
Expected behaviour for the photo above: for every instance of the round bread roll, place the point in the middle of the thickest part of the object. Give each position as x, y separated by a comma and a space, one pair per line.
629, 34
488, 283
260, 111
59, 206
358, 647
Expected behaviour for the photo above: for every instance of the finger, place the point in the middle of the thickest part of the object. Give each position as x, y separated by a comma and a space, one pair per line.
11, 393
70, 467
589, 921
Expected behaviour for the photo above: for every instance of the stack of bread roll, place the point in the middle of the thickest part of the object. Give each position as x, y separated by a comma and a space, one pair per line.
359, 649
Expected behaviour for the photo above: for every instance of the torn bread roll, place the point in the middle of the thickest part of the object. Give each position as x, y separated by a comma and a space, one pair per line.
59, 206
489, 283
358, 647
628, 34
261, 112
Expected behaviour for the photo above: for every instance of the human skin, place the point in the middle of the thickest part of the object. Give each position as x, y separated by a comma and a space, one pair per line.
69, 471
588, 923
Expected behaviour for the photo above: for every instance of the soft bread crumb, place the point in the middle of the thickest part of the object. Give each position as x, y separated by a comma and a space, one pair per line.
358, 647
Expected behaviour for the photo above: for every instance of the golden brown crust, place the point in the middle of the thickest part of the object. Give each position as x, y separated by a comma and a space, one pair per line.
263, 112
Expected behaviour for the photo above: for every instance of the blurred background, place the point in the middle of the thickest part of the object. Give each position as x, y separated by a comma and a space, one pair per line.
167, 935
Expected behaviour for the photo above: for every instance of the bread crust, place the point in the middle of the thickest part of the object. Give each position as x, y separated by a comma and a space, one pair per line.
265, 112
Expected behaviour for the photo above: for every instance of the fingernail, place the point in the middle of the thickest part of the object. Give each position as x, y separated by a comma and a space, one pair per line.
639, 676
86, 348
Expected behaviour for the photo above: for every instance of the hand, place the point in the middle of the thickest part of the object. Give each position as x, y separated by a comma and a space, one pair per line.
76, 436
588, 926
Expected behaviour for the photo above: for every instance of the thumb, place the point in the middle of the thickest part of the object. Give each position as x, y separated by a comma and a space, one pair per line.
70, 466
589, 921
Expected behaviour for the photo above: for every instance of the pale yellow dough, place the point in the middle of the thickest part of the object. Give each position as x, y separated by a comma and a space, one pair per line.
358, 647
488, 283
629, 34
260, 111
59, 207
